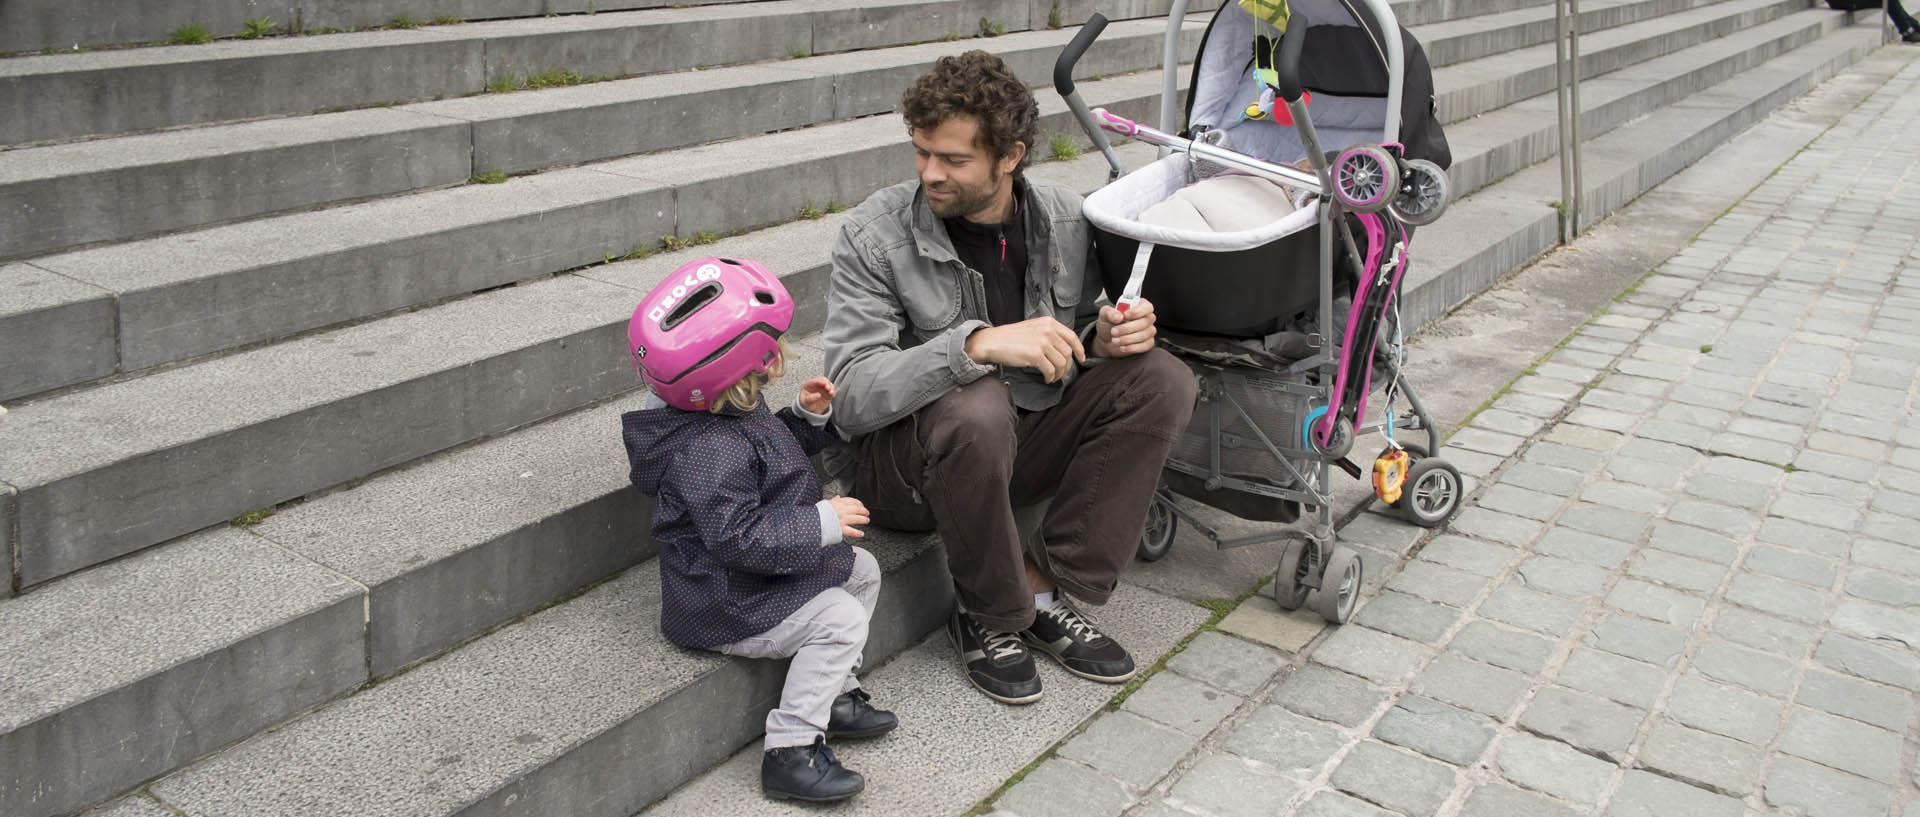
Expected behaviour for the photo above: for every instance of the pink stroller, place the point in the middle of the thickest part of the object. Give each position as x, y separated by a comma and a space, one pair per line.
1305, 156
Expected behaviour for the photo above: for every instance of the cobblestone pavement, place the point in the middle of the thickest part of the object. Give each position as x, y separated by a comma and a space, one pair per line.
1689, 585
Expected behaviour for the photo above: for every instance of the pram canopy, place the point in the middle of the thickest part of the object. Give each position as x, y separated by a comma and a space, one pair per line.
1342, 64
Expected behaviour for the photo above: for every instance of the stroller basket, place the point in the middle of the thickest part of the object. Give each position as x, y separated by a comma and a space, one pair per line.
1254, 482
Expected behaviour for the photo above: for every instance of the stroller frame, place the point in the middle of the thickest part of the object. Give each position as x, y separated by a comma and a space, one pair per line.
1314, 562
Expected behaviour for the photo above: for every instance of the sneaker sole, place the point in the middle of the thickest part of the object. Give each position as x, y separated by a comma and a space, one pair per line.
775, 795
1104, 679
1004, 698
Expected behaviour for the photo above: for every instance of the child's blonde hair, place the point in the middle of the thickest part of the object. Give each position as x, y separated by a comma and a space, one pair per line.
745, 392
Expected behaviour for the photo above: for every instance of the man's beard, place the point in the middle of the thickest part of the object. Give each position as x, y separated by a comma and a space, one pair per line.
966, 200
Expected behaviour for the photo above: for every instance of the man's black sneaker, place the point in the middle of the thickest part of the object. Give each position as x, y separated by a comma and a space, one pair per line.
853, 717
809, 773
1911, 36
995, 662
1064, 633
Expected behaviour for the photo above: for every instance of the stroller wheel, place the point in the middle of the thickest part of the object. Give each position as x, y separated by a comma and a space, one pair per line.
1339, 586
1365, 178
1290, 584
1339, 443
1423, 194
1156, 538
1433, 492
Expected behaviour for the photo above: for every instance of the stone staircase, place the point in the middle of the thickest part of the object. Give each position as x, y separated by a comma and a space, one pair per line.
310, 479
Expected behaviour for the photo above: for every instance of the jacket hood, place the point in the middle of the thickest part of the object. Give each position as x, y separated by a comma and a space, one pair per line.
654, 434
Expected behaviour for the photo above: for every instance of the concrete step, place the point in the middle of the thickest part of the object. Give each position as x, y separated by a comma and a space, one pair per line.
107, 92
583, 711
1462, 40
136, 668
107, 470
1469, 89
185, 295
431, 555
1495, 144
115, 189
580, 709
38, 25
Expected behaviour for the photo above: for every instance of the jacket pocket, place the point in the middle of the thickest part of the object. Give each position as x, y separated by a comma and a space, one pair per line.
931, 299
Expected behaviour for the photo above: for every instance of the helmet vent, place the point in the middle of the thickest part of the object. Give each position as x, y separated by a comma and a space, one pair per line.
764, 297
694, 301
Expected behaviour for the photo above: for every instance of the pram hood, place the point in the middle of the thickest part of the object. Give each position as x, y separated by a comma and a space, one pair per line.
1116, 209
1343, 65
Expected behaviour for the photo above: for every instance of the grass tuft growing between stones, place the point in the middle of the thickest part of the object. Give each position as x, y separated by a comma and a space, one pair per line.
192, 34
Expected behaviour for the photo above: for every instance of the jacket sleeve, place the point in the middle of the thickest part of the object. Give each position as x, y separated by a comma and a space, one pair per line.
716, 480
878, 381
811, 437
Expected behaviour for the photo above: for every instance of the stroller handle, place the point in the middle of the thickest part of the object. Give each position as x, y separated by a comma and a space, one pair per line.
1063, 82
1287, 67
1077, 47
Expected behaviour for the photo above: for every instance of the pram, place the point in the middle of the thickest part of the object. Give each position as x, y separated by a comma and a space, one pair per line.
1279, 406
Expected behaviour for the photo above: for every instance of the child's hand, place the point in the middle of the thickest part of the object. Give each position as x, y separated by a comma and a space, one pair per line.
816, 395
851, 511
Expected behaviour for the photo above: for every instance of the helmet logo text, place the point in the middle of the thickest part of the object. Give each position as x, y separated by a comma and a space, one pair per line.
706, 272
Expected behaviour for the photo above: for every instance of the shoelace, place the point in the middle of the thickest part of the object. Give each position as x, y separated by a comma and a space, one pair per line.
1073, 621
820, 751
1002, 645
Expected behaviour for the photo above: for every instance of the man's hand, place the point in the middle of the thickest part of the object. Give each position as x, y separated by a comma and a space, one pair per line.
852, 512
816, 395
1037, 343
1118, 334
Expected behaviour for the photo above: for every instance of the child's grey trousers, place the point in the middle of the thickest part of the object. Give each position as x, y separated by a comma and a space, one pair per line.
825, 637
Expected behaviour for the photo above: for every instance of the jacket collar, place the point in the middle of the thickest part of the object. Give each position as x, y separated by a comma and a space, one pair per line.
931, 236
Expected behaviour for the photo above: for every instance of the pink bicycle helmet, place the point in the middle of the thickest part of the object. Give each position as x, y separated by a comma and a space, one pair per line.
712, 322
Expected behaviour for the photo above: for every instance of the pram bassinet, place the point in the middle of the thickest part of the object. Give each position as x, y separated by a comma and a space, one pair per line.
1267, 430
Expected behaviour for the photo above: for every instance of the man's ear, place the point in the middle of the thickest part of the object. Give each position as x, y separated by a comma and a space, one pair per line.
1015, 153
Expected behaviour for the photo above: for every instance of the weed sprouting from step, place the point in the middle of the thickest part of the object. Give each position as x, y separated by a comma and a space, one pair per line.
947, 38
489, 177
446, 20
639, 253
809, 212
189, 35
403, 22
554, 78
992, 28
255, 517
258, 27
1062, 148
1053, 16
836, 208
704, 237
799, 54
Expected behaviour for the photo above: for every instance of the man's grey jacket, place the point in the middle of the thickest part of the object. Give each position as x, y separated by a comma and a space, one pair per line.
901, 303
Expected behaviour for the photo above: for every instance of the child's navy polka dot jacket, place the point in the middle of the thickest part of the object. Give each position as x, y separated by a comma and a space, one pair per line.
737, 518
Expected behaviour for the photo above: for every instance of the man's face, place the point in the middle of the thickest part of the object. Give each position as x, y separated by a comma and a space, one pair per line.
959, 176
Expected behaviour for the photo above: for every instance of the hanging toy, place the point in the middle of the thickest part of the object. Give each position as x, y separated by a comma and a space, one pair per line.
1264, 50
1390, 474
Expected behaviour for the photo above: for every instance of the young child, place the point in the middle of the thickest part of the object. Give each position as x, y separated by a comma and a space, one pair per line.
752, 561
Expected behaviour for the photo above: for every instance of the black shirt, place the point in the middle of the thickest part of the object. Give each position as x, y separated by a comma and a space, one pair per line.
999, 253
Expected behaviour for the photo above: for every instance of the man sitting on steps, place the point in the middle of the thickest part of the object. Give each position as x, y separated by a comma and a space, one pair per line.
963, 336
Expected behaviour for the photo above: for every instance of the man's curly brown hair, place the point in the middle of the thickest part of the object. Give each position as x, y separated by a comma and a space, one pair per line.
980, 85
